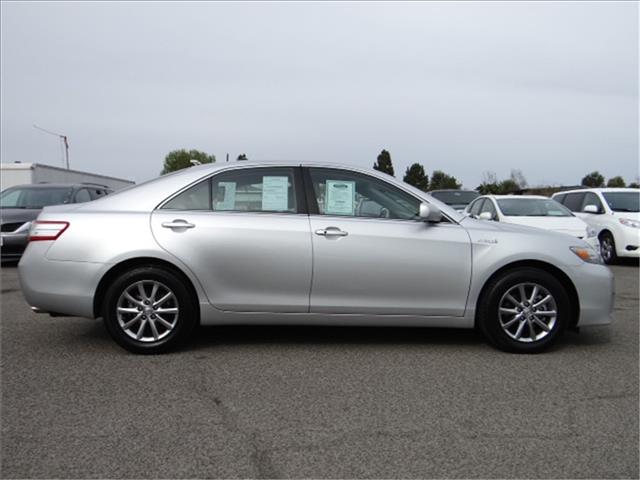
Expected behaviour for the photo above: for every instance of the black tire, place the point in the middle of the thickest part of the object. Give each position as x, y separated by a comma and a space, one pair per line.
490, 320
159, 339
608, 249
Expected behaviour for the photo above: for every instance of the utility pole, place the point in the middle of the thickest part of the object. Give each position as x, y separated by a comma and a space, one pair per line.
64, 139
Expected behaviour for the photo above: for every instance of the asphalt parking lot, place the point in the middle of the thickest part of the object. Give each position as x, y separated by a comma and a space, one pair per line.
317, 402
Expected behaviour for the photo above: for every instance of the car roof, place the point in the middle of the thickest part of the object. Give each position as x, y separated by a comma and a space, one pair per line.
148, 195
451, 190
59, 185
498, 197
599, 189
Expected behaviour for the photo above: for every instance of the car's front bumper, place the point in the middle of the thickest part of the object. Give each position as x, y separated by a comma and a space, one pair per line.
628, 242
596, 291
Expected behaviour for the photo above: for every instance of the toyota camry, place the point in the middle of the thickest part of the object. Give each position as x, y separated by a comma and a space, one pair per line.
304, 243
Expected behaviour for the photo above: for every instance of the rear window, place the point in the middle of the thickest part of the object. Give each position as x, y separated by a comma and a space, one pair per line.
455, 198
34, 197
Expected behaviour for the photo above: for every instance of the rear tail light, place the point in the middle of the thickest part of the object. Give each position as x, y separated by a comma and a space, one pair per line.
46, 230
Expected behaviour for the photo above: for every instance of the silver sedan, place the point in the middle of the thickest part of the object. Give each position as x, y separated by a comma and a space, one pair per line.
304, 244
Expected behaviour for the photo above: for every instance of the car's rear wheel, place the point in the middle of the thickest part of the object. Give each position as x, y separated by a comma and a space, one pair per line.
524, 310
608, 248
149, 310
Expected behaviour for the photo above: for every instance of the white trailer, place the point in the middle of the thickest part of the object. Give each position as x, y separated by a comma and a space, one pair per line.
27, 173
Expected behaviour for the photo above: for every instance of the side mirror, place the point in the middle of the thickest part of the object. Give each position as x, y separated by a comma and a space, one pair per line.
590, 209
485, 216
430, 213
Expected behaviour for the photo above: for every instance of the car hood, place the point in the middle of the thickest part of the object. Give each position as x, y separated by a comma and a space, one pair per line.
629, 215
570, 225
15, 215
489, 226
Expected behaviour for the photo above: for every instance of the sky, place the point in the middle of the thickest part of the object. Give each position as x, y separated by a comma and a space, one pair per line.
549, 88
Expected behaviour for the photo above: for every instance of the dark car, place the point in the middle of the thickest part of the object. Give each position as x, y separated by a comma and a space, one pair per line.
21, 204
457, 199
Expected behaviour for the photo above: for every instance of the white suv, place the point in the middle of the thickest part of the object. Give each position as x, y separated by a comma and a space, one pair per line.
613, 213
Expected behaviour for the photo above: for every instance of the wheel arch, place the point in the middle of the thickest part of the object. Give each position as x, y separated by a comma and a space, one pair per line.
574, 301
117, 269
605, 231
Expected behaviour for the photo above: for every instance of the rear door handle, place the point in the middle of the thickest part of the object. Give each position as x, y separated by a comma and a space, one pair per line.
178, 224
331, 232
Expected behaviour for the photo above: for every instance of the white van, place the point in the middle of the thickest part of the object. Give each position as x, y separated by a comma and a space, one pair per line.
615, 215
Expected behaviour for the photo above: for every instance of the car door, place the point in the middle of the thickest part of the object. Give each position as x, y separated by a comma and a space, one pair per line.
372, 254
245, 234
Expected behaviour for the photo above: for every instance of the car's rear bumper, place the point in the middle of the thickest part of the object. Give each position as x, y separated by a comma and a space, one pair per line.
57, 286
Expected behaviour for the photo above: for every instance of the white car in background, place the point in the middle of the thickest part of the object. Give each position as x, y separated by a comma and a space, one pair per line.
532, 211
613, 213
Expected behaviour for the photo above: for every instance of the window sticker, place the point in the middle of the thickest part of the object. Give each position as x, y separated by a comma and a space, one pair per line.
340, 197
275, 193
227, 195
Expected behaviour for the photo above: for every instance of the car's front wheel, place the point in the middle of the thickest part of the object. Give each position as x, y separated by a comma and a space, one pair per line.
608, 248
524, 310
149, 310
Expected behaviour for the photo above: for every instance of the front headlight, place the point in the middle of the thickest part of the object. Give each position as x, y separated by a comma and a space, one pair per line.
591, 232
630, 223
587, 254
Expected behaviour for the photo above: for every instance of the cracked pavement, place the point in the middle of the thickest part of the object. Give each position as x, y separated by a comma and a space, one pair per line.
282, 402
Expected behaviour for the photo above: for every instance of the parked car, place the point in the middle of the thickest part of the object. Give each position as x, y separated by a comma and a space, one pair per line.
21, 204
532, 211
288, 244
614, 213
456, 199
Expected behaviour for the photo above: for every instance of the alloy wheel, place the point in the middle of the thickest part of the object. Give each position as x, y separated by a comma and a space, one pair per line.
606, 249
527, 312
147, 311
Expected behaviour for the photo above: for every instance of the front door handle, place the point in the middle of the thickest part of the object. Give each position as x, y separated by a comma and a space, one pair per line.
331, 232
178, 224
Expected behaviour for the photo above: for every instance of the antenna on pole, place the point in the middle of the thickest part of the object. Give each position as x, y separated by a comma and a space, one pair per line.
64, 139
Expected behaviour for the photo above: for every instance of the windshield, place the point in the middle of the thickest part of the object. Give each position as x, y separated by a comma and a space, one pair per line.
455, 198
532, 207
34, 198
623, 201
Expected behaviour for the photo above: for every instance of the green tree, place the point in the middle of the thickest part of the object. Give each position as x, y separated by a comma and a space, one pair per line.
617, 182
179, 159
442, 181
634, 185
508, 186
384, 164
489, 185
593, 180
416, 176
242, 156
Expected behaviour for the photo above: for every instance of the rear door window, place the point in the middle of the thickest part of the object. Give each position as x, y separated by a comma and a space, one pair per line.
242, 190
